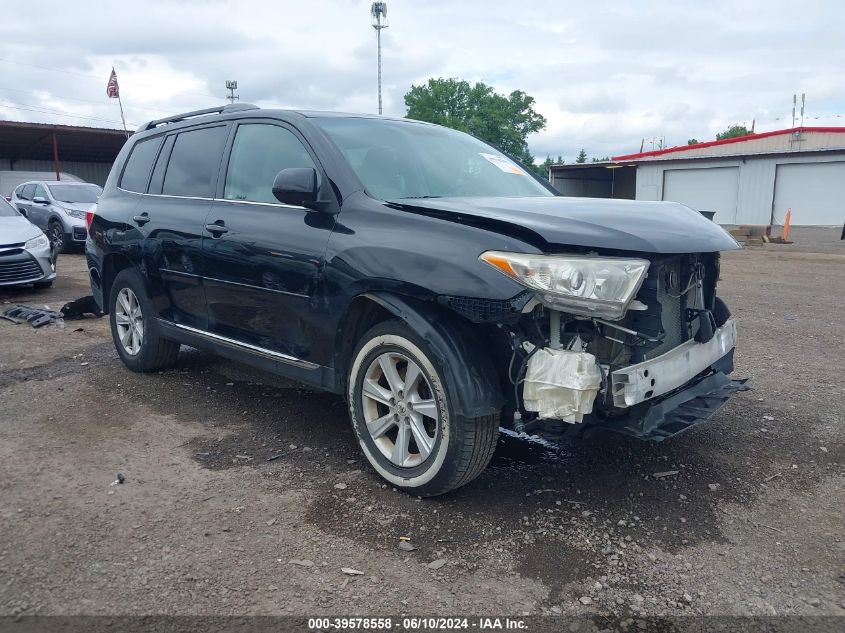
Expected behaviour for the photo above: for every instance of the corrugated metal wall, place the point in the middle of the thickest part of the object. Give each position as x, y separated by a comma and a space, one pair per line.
89, 172
756, 180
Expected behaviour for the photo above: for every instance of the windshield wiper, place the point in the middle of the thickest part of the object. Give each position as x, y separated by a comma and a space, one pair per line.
418, 197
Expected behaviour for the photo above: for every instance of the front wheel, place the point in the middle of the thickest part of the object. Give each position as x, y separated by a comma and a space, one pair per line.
133, 327
403, 416
56, 233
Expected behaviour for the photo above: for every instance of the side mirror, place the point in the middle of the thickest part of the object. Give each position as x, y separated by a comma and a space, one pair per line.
296, 186
40, 200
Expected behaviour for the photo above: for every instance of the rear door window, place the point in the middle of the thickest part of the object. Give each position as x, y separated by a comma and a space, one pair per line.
161, 164
26, 193
136, 174
194, 163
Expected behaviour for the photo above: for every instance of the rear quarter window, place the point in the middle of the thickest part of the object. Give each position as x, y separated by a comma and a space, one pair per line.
136, 174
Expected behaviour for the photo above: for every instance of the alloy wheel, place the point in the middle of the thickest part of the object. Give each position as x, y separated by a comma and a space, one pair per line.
58, 235
129, 321
400, 410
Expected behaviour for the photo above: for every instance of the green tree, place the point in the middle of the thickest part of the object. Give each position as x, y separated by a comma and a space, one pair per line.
504, 121
559, 160
582, 156
542, 169
603, 159
693, 141
732, 132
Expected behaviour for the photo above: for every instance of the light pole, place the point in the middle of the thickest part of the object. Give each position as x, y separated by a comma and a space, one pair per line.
379, 14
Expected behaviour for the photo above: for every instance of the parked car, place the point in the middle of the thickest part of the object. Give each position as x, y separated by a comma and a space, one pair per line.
58, 208
11, 178
430, 279
25, 253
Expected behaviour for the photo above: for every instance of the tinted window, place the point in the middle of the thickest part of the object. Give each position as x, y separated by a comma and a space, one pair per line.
75, 193
136, 174
192, 170
27, 192
40, 192
258, 154
161, 164
19, 191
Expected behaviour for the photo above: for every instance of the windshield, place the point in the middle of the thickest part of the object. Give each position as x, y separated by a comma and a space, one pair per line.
6, 209
75, 193
399, 159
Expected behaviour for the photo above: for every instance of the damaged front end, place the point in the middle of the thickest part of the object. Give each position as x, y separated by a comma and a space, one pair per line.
652, 369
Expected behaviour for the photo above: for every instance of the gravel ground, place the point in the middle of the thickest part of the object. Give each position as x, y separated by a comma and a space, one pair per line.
245, 494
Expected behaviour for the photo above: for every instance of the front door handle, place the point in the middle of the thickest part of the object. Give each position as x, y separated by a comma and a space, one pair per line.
217, 229
142, 219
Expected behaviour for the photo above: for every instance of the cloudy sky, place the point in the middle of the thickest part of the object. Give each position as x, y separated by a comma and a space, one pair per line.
605, 74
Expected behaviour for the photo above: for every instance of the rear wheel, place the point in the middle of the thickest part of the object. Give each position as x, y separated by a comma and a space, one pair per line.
133, 327
403, 416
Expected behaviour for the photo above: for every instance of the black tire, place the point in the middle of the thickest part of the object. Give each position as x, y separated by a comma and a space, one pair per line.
155, 352
56, 233
462, 446
42, 285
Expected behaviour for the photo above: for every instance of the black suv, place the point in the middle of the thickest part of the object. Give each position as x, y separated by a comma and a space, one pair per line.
436, 283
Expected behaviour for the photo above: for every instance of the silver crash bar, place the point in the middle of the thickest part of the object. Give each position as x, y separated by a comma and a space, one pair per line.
652, 378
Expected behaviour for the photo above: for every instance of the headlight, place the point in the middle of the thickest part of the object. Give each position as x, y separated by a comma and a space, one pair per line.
583, 285
75, 213
37, 242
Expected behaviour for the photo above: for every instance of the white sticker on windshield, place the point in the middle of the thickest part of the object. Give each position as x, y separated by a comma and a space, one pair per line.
503, 163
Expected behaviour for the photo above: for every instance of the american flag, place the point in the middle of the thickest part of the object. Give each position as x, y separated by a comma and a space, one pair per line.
112, 89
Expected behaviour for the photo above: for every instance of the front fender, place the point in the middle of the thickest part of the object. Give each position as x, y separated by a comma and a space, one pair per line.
468, 372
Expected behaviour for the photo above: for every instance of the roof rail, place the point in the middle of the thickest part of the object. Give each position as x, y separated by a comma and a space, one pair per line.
231, 107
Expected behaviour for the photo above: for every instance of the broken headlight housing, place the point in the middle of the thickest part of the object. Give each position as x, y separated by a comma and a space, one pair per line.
583, 285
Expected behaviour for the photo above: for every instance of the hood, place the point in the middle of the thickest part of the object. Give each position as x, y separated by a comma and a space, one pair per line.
628, 225
16, 229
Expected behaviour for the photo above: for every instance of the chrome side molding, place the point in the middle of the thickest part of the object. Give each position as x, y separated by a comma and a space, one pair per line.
247, 347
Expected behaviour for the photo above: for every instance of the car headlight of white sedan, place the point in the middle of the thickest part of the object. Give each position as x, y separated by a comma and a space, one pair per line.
37, 242
578, 284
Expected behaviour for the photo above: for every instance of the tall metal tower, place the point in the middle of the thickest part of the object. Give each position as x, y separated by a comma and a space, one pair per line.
379, 15
231, 86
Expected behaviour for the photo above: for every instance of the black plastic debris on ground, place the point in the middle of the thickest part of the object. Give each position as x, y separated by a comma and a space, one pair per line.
36, 317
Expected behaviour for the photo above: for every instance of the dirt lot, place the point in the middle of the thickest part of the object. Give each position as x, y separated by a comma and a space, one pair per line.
751, 523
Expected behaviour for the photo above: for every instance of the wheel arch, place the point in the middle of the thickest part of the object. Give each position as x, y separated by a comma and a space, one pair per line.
468, 370
113, 263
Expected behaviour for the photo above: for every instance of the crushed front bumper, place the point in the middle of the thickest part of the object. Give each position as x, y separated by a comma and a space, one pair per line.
678, 412
665, 373
665, 395
676, 391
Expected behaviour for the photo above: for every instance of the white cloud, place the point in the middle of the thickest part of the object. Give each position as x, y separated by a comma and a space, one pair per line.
605, 75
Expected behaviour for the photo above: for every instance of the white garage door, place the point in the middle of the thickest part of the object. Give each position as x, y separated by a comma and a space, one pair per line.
710, 189
814, 191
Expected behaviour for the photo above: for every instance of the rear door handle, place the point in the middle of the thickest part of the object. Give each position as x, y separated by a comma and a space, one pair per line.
142, 219
217, 229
